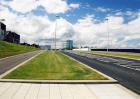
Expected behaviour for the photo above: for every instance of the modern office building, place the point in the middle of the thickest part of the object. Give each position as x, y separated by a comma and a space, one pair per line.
2, 31
45, 47
12, 37
68, 45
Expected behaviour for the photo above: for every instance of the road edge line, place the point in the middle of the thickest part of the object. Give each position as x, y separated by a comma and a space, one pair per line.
113, 56
16, 55
7, 72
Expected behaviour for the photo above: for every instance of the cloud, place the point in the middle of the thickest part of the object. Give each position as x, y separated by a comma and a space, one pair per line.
100, 9
51, 6
35, 29
23, 6
85, 31
129, 13
74, 5
119, 13
95, 35
54, 6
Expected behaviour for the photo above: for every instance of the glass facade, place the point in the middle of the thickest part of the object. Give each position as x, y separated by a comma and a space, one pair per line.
69, 44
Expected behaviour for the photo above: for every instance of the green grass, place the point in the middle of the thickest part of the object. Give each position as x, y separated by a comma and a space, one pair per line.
52, 65
120, 54
9, 49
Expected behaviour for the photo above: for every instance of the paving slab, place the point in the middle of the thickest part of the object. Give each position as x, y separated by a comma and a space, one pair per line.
64, 91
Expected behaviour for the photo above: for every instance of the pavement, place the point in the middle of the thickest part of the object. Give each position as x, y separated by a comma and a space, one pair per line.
64, 91
10, 62
125, 71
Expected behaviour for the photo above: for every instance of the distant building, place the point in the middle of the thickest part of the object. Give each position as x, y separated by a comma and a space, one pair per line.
68, 45
26, 44
12, 37
35, 45
45, 47
2, 31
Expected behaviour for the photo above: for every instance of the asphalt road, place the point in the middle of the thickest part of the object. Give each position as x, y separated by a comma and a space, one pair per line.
126, 71
8, 63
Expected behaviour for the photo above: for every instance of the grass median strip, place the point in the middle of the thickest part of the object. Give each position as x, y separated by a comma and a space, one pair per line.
52, 65
120, 54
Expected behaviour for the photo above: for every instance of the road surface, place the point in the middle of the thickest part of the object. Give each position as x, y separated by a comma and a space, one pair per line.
8, 63
126, 71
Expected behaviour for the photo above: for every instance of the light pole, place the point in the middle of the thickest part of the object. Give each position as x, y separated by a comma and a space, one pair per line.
107, 34
56, 29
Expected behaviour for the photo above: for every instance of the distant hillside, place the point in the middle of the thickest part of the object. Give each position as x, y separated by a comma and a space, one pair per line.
9, 49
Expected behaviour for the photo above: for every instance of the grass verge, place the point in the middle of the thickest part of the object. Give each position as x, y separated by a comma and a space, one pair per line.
52, 65
120, 54
9, 49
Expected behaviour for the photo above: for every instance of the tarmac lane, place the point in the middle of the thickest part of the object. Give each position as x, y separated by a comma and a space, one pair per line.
10, 62
126, 71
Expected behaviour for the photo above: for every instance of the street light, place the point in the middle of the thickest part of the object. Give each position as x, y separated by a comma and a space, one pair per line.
56, 29
107, 34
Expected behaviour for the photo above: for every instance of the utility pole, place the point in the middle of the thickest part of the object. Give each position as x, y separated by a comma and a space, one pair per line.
56, 29
107, 34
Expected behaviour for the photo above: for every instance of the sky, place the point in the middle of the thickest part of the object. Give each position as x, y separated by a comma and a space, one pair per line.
83, 21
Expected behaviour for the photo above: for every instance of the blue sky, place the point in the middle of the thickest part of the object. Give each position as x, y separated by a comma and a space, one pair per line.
89, 6
81, 20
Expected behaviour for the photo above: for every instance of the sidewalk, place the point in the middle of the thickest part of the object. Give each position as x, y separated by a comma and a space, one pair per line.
64, 91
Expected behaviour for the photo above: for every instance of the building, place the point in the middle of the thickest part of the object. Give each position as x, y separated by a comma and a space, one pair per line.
2, 31
68, 45
12, 37
35, 45
45, 47
26, 44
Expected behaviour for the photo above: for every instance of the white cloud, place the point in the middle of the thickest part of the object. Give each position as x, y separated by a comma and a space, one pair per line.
54, 6
85, 31
74, 5
96, 34
119, 13
22, 5
102, 9
129, 13
36, 28
51, 6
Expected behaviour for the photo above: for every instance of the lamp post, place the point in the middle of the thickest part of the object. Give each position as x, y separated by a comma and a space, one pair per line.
107, 34
56, 29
